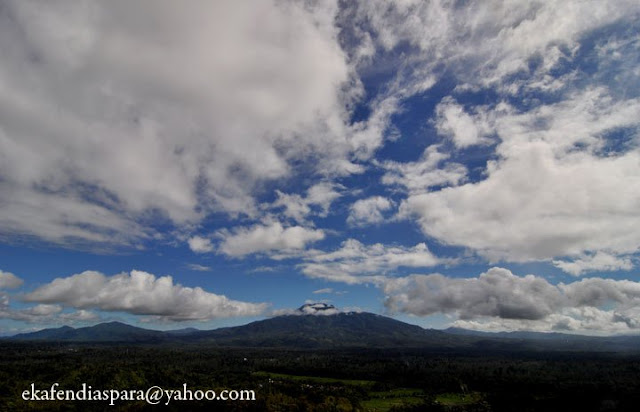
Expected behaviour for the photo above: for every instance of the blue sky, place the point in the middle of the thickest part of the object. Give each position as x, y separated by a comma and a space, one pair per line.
449, 163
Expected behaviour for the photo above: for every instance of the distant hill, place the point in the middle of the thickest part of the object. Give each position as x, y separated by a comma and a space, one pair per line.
512, 335
104, 332
184, 331
553, 340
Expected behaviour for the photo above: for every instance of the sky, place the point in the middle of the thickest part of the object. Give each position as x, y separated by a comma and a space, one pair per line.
203, 164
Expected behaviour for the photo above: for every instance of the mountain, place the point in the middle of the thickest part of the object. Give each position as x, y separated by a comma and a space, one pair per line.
339, 330
322, 326
104, 332
326, 328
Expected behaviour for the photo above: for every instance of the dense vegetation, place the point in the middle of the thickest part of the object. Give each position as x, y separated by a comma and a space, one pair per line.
301, 380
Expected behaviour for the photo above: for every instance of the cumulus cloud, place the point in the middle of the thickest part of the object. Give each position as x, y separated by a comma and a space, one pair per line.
80, 316
599, 292
199, 244
368, 211
9, 280
496, 293
584, 320
498, 300
116, 115
140, 293
600, 261
429, 171
43, 310
265, 238
453, 121
319, 196
40, 313
555, 187
551, 193
557, 183
355, 262
116, 112
323, 195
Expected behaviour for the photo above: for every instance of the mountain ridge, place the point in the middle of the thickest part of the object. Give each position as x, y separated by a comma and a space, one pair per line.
339, 330
301, 329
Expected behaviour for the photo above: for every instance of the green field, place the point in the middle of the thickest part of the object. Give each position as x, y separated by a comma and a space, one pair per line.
458, 399
383, 401
314, 379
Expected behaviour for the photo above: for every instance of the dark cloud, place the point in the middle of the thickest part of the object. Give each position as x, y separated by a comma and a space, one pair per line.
500, 296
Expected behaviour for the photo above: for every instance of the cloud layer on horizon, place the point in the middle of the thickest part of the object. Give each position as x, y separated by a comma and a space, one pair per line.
141, 293
500, 300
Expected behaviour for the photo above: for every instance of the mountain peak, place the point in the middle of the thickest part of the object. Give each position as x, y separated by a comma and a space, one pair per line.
318, 308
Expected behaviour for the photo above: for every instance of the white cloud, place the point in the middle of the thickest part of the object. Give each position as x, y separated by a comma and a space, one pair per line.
368, 211
199, 268
584, 320
140, 293
484, 42
329, 291
42, 313
310, 308
551, 192
554, 186
34, 314
319, 196
80, 316
9, 280
271, 236
367, 135
500, 300
295, 206
600, 261
453, 121
199, 244
429, 171
323, 195
115, 112
43, 310
358, 263
263, 269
